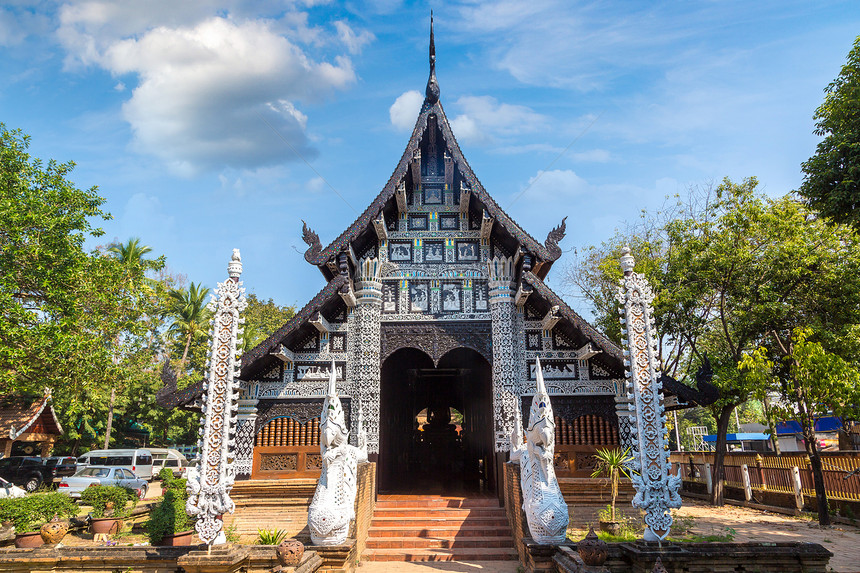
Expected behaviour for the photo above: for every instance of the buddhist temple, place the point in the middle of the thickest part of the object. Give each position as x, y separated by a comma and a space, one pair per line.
434, 310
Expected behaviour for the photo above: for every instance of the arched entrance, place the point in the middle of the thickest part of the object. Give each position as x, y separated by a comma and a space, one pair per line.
436, 423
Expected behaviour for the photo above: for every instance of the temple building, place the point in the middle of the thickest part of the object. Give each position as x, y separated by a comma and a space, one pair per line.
434, 311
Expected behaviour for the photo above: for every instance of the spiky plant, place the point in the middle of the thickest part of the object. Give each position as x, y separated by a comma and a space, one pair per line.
612, 462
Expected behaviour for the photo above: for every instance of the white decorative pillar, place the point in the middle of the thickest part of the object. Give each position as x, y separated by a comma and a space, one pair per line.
656, 487
364, 333
505, 371
244, 448
210, 483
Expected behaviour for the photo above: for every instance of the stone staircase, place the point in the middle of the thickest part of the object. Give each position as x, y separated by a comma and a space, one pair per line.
436, 528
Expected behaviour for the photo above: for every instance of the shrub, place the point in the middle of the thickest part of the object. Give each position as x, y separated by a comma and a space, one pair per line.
270, 536
168, 517
165, 475
99, 496
29, 513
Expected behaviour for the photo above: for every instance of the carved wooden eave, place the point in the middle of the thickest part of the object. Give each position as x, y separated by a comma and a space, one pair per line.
470, 188
523, 292
284, 354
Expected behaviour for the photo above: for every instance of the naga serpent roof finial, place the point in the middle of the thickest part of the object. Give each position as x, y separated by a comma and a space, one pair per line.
432, 91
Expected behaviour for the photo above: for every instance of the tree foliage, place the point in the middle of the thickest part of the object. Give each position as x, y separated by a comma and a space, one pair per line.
831, 184
736, 272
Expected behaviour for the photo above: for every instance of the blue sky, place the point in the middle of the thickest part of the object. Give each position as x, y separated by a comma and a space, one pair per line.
597, 110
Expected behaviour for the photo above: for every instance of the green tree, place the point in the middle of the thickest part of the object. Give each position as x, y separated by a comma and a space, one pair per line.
68, 317
262, 318
831, 184
815, 382
190, 317
740, 270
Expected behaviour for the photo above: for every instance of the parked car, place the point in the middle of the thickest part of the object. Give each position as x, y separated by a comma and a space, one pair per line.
61, 466
137, 461
168, 458
9, 490
26, 472
102, 475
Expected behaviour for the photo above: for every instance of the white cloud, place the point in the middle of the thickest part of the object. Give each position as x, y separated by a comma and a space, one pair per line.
484, 119
220, 93
404, 111
353, 41
211, 92
555, 184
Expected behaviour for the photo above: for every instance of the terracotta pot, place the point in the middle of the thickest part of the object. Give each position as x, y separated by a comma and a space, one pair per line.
29, 540
611, 527
106, 525
181, 539
53, 532
289, 552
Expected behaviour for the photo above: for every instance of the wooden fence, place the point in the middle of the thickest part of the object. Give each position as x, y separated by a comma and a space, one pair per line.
772, 472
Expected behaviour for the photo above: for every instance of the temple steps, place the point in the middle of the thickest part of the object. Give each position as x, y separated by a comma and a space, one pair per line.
434, 528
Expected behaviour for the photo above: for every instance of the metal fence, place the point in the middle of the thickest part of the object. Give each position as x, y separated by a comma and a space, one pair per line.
771, 472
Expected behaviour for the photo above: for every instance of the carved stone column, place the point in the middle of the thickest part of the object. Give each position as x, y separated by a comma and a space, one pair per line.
209, 485
656, 487
364, 327
506, 370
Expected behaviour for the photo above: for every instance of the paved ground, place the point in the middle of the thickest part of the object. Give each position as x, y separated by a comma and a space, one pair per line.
753, 525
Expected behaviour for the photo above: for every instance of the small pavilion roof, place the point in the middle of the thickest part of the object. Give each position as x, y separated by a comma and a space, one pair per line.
21, 414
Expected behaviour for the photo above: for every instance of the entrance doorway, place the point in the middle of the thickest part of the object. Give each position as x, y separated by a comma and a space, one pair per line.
436, 423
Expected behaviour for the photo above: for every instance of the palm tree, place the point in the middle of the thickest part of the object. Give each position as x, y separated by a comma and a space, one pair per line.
190, 316
612, 462
130, 256
131, 252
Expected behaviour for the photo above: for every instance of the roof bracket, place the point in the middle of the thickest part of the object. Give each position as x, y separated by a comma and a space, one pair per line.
401, 197
319, 322
380, 226
486, 226
586, 352
523, 293
465, 195
285, 354
551, 318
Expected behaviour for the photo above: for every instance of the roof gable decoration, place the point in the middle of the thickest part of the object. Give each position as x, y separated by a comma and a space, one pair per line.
493, 219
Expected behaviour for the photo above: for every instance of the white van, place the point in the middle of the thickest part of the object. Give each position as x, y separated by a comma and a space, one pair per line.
138, 461
168, 458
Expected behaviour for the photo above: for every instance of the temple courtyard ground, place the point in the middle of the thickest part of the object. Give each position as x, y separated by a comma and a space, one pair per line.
697, 518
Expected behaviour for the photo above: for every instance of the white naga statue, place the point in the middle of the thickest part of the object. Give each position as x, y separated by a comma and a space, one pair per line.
333, 505
545, 508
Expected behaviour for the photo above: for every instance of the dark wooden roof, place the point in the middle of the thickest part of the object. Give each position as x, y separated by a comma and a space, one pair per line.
431, 106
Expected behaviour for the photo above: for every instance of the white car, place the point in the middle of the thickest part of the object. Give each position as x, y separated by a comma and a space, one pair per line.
102, 475
9, 490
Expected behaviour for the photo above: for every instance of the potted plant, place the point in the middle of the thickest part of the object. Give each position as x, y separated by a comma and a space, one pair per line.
28, 514
169, 524
110, 505
611, 462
